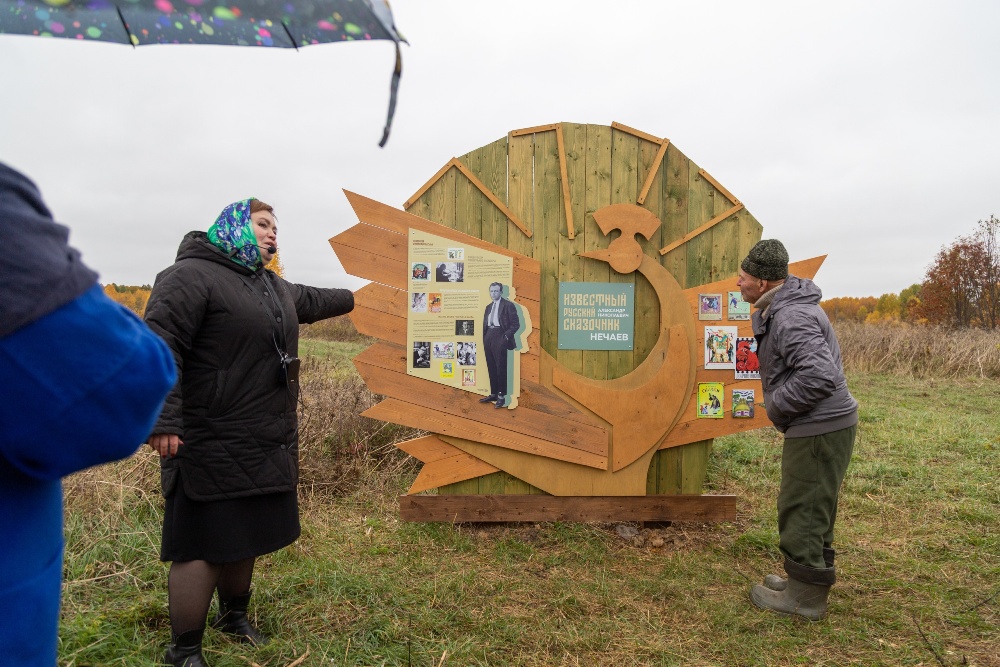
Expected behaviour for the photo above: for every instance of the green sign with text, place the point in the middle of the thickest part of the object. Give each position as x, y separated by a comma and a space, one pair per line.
596, 316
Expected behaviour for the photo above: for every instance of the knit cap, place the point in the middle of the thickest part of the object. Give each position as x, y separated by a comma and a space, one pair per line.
768, 260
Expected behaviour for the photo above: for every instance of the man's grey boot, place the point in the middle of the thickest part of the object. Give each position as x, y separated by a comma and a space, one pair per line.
778, 583
798, 598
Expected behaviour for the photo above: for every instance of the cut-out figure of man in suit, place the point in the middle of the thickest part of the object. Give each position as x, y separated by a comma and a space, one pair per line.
500, 325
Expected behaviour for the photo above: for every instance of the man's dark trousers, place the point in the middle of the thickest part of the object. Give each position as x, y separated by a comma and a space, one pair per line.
812, 471
496, 360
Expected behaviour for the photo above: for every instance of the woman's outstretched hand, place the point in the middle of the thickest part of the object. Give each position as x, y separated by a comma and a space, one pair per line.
165, 444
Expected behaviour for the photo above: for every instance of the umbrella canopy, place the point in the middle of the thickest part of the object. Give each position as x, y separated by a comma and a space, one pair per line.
278, 23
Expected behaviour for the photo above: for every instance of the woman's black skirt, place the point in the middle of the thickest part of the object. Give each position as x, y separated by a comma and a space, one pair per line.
223, 531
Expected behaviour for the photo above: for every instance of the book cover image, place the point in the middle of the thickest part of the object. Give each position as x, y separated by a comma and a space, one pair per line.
709, 306
447, 369
747, 365
720, 348
743, 400
710, 400
434, 302
738, 309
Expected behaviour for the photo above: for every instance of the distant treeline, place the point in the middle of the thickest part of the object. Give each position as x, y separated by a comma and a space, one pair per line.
961, 289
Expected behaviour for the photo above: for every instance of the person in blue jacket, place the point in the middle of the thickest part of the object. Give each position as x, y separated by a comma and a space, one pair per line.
83, 382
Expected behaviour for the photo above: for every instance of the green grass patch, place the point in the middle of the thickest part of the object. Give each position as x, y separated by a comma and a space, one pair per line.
918, 562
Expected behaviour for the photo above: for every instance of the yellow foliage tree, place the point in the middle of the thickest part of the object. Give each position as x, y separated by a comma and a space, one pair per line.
276, 265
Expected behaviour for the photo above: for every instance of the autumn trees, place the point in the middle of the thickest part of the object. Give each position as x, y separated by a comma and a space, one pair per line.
962, 285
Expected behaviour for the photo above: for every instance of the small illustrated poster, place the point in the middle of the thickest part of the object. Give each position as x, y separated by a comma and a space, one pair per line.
434, 303
738, 309
447, 369
709, 306
720, 348
710, 400
743, 403
444, 350
747, 365
468, 377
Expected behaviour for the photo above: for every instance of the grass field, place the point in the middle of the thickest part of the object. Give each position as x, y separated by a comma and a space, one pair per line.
918, 556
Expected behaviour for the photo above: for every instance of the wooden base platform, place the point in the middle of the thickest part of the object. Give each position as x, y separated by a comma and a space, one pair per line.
510, 508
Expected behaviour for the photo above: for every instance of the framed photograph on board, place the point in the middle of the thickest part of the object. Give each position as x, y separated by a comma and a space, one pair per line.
720, 348
710, 400
709, 306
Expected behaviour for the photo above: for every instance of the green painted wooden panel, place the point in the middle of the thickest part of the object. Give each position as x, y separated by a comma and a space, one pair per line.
520, 192
679, 469
548, 217
597, 195
674, 200
624, 190
647, 306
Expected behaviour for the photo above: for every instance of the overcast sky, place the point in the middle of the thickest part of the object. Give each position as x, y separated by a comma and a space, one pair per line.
866, 130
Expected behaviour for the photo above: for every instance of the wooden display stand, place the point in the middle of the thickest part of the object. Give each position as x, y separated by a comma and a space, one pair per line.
597, 435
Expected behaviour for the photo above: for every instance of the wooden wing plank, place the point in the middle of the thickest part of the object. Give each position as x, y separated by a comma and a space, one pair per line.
449, 470
379, 324
383, 298
372, 266
380, 215
465, 406
428, 448
534, 396
415, 416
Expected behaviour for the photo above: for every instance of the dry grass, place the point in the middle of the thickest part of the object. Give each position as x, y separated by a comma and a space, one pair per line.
919, 351
917, 539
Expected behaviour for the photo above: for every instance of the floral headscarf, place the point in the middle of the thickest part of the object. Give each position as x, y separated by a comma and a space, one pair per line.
233, 233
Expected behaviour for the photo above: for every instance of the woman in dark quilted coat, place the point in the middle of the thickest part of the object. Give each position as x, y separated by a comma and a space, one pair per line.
228, 434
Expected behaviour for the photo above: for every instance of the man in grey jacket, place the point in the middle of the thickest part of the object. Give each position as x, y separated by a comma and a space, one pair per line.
806, 397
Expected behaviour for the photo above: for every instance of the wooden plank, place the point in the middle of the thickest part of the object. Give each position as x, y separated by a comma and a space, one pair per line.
718, 186
674, 211
379, 324
383, 298
371, 264
564, 178
449, 470
534, 397
652, 171
408, 414
428, 448
725, 243
466, 487
470, 202
597, 194
378, 214
492, 197
427, 186
636, 133
492, 172
708, 225
624, 190
546, 202
695, 467
505, 508
647, 307
520, 194
533, 130
441, 200
465, 406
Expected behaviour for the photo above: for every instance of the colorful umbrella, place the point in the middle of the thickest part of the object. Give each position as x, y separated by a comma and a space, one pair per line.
281, 23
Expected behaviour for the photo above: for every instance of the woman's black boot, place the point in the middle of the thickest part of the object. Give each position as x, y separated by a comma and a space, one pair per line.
185, 650
232, 619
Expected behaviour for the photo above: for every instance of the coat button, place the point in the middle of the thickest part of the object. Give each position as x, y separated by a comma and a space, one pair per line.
278, 318
266, 294
284, 446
